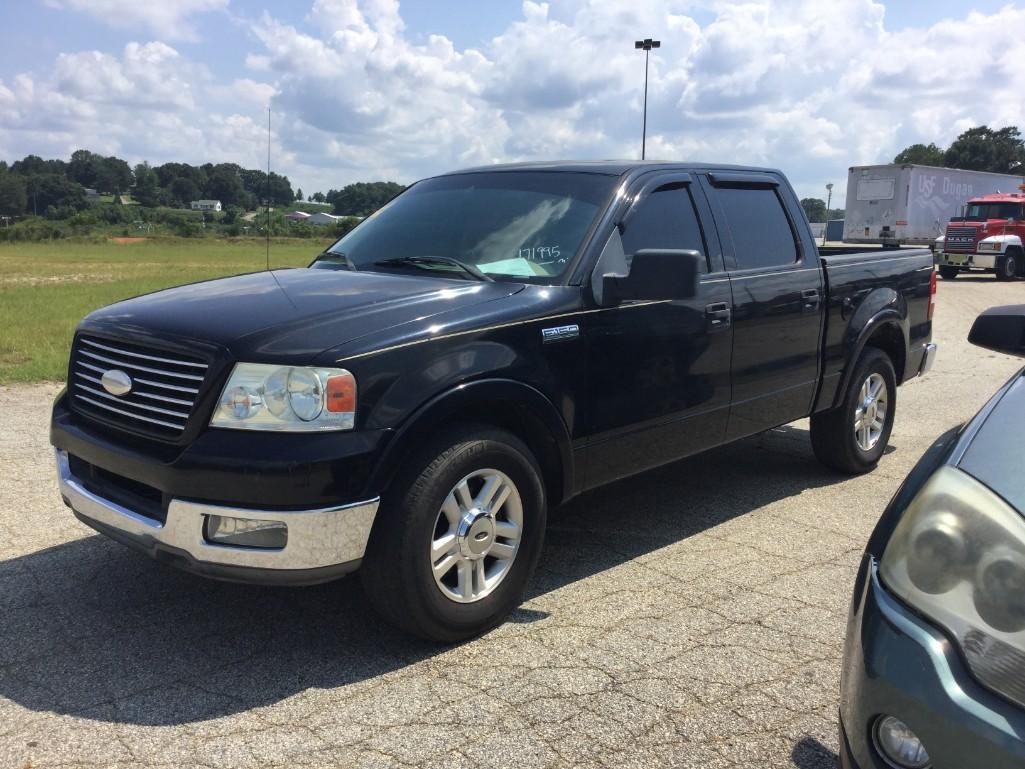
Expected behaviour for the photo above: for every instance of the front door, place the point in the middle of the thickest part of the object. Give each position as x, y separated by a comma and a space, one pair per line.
659, 371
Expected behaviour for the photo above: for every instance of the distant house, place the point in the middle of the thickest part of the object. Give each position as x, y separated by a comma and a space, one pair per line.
297, 216
322, 218
90, 194
206, 205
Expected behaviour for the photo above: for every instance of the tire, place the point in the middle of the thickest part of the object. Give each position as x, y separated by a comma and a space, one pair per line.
833, 435
1007, 266
949, 273
399, 568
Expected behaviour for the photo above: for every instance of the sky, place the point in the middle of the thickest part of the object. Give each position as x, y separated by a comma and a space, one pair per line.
362, 90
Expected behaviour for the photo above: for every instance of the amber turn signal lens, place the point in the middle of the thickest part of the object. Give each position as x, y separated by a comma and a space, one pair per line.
341, 393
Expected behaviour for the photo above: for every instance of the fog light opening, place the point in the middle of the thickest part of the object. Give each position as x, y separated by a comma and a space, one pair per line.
898, 745
245, 532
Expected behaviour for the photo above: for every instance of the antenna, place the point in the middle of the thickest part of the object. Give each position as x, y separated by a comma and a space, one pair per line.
266, 189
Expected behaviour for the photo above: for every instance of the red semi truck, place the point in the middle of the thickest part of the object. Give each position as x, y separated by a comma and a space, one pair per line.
988, 235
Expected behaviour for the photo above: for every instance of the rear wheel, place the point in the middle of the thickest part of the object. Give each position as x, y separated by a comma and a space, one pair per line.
948, 273
457, 539
852, 437
1007, 266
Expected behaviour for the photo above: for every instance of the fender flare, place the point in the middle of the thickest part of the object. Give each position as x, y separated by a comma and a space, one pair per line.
538, 420
883, 309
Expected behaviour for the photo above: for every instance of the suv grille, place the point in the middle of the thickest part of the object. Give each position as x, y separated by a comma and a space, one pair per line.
960, 239
164, 386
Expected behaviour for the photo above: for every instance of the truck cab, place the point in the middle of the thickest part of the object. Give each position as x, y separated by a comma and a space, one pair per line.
988, 235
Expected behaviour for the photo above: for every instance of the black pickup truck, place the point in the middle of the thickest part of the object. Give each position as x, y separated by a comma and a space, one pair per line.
486, 346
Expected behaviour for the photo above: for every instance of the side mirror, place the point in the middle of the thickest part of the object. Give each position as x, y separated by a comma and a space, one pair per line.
655, 274
1001, 329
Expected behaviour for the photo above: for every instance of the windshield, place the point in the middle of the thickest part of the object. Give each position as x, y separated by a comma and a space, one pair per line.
512, 225
981, 212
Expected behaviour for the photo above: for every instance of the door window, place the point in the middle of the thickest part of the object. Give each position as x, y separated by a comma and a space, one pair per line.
665, 219
761, 231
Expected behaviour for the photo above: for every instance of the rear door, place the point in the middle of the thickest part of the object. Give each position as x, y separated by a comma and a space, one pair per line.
777, 289
659, 371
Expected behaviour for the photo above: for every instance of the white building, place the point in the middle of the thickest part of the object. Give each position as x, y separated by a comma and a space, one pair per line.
322, 218
206, 205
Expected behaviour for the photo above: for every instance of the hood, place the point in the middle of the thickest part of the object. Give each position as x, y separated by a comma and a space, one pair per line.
290, 315
994, 454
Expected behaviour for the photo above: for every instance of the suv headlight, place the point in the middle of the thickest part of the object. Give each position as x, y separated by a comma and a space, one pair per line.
259, 396
958, 557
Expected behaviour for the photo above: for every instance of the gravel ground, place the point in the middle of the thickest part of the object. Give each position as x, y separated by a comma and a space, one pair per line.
690, 617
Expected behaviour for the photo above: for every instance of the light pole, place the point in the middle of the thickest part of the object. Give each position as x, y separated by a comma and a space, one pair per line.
829, 202
646, 45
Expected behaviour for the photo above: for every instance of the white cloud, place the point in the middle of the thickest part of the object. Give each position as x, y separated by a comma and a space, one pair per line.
163, 18
807, 86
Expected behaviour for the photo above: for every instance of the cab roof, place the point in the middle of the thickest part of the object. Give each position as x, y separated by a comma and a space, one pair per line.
999, 197
606, 167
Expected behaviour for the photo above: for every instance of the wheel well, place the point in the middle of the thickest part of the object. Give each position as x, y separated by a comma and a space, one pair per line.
507, 415
890, 340
529, 428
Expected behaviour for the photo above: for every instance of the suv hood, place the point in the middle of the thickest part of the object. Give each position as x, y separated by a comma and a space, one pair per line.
290, 315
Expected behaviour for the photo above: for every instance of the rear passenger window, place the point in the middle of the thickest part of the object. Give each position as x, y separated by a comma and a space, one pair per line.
665, 219
761, 231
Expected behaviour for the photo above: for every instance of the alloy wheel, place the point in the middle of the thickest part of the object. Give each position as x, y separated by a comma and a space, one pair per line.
870, 413
477, 535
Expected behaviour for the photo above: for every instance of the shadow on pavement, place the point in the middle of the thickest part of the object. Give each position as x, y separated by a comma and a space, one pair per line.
809, 753
93, 629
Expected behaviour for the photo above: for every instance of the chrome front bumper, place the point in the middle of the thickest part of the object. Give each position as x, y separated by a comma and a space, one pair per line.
928, 358
319, 539
986, 261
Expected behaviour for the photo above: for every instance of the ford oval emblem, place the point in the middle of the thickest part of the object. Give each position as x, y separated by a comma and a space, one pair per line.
116, 382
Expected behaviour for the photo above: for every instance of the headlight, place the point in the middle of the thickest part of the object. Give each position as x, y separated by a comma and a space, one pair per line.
989, 245
287, 398
958, 556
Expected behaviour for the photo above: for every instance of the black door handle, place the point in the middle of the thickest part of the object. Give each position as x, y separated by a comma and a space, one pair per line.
718, 315
810, 297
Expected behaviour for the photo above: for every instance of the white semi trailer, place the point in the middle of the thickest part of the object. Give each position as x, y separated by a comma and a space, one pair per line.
898, 204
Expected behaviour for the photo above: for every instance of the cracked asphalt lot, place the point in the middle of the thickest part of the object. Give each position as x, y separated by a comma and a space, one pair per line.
690, 617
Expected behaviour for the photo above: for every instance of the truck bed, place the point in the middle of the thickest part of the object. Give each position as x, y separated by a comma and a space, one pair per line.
854, 278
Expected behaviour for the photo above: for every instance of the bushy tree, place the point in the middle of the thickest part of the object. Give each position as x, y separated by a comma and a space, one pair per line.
13, 195
921, 154
362, 198
184, 191
814, 209
114, 175
146, 191
225, 184
54, 190
299, 194
983, 149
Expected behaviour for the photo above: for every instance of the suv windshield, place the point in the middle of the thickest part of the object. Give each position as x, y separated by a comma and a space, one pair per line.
981, 212
512, 225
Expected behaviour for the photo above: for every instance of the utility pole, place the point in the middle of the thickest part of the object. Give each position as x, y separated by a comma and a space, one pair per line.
829, 202
646, 45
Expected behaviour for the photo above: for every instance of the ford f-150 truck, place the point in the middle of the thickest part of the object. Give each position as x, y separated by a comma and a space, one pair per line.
489, 344
988, 235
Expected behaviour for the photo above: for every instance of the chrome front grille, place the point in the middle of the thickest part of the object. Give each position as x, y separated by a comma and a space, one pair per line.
960, 239
163, 392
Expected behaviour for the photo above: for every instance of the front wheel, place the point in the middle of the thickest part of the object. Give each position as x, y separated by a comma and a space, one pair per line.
1007, 267
949, 273
457, 538
852, 437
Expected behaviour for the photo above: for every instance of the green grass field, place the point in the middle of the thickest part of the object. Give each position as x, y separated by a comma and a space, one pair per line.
46, 288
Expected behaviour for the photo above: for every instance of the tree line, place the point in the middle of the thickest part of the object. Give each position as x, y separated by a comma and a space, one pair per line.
56, 188
982, 148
